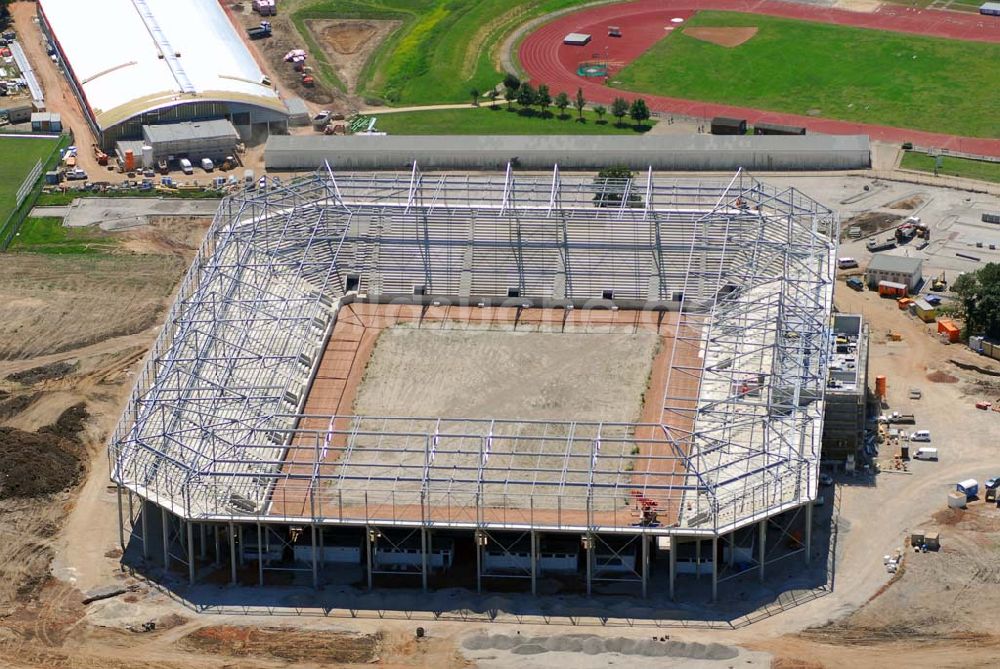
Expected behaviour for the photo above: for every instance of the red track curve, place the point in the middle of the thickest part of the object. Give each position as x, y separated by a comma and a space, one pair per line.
547, 60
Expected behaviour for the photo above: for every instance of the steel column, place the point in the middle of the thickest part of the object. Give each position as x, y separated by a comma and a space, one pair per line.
315, 557
645, 565
732, 548
479, 563
697, 559
534, 562
260, 556
242, 557
121, 520
369, 540
589, 547
423, 558
202, 546
145, 528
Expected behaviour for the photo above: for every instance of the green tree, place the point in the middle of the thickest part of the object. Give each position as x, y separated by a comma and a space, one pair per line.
511, 81
580, 102
600, 110
493, 94
562, 101
526, 96
619, 109
639, 111
610, 185
474, 94
979, 292
543, 98
4, 14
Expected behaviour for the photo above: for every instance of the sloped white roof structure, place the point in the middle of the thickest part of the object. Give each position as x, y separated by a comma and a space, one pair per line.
134, 56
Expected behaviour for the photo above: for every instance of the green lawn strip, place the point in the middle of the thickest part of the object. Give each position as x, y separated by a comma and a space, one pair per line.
442, 50
499, 121
18, 156
49, 235
852, 74
953, 167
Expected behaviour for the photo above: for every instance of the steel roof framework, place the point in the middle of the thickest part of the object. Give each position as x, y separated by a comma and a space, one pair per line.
218, 407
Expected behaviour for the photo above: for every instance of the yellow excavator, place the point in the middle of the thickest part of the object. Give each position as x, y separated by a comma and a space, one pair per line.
940, 283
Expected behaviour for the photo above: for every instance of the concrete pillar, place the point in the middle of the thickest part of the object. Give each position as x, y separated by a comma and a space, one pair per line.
732, 548
202, 545
239, 530
315, 558
697, 559
479, 562
121, 520
260, 556
761, 539
218, 546
423, 558
645, 564
369, 544
715, 568
232, 553
673, 563
809, 532
190, 551
144, 519
590, 560
534, 562
165, 526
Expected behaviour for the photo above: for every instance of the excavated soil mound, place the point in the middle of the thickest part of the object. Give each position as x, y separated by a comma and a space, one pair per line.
285, 644
728, 37
941, 377
43, 462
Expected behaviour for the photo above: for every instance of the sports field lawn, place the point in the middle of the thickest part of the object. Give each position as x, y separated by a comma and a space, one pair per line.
953, 167
499, 121
17, 156
442, 50
836, 72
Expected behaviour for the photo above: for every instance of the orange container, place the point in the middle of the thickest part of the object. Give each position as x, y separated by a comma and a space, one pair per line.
129, 161
880, 385
948, 328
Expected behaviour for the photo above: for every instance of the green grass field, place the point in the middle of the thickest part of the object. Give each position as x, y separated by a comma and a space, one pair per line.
443, 49
499, 121
48, 235
836, 72
953, 167
17, 156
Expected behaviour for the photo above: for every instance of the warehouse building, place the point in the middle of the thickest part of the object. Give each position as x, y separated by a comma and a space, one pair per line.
897, 269
664, 152
146, 62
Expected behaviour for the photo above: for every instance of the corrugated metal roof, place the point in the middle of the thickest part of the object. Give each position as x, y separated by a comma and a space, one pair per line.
882, 262
170, 132
125, 72
991, 6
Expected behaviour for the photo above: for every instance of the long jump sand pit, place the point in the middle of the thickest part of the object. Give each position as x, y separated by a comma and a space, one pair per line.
728, 37
507, 375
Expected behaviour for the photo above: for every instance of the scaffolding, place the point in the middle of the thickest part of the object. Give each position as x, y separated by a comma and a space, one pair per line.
737, 275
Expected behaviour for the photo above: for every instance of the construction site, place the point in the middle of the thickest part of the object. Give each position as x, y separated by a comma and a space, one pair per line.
345, 381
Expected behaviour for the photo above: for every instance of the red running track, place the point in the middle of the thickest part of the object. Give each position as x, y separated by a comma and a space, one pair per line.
547, 60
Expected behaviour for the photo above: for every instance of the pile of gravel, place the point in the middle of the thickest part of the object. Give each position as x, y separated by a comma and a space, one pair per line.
595, 645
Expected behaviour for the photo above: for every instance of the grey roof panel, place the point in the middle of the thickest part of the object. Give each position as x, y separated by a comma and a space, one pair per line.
889, 263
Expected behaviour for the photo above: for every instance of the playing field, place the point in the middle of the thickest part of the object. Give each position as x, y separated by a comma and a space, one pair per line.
17, 156
815, 69
499, 121
441, 50
953, 167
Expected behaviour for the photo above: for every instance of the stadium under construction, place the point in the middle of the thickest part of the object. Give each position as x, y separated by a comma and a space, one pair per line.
257, 443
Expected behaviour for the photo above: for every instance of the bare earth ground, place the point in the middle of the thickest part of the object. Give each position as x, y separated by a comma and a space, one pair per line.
513, 375
728, 37
349, 43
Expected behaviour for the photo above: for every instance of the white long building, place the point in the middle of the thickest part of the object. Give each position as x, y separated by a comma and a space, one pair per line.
143, 62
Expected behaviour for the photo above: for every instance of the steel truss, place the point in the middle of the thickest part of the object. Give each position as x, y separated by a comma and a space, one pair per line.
745, 269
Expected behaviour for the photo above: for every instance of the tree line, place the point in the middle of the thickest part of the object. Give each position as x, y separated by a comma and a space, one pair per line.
527, 97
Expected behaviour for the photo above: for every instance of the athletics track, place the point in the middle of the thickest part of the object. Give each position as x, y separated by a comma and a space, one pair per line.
547, 60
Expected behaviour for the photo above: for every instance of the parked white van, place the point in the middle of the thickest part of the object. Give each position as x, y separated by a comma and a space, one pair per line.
186, 166
921, 435
926, 453
847, 263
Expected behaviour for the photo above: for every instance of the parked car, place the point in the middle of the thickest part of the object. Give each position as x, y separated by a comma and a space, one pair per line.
186, 167
207, 164
921, 435
926, 453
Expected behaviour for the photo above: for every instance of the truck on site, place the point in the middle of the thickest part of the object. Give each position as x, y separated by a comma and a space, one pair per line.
926, 453
897, 418
939, 283
265, 7
874, 245
261, 31
207, 164
921, 435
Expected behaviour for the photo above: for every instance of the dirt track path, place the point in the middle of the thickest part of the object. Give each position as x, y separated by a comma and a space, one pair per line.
542, 56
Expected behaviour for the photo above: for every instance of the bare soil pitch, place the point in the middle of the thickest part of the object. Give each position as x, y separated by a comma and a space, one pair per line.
727, 37
349, 43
